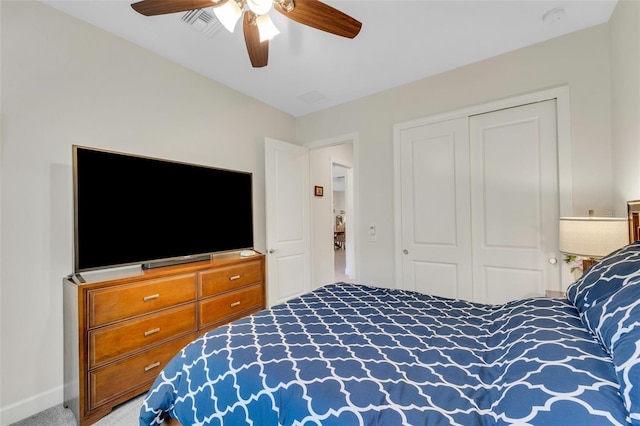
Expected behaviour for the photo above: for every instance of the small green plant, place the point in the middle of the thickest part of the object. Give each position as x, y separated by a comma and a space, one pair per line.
574, 262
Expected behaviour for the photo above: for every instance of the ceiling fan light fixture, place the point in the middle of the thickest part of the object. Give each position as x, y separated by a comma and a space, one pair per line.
260, 7
257, 26
266, 28
228, 14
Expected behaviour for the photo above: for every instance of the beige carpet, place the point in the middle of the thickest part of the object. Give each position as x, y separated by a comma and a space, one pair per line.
123, 415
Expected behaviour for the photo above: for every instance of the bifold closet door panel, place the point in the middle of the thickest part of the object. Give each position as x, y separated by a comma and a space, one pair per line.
436, 240
514, 202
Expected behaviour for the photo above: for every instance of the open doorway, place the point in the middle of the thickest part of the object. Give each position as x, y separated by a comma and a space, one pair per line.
325, 243
342, 206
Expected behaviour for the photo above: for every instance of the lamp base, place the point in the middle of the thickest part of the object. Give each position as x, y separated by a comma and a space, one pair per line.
588, 263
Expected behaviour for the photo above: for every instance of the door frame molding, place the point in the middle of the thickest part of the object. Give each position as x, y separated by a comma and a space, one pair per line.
563, 115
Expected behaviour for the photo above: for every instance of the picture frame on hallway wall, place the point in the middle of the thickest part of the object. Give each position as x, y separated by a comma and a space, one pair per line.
318, 191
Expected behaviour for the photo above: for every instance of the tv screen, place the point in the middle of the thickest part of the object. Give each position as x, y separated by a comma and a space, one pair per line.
130, 209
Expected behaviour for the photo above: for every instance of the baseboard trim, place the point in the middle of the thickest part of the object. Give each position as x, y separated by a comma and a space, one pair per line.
29, 406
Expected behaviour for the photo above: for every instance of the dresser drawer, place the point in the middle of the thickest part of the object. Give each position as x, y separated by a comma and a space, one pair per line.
125, 301
108, 343
138, 371
205, 330
218, 308
228, 278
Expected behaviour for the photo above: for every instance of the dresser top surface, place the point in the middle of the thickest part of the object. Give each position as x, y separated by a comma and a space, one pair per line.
138, 272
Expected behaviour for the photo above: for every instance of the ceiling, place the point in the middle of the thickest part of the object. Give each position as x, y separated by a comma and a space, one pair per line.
309, 70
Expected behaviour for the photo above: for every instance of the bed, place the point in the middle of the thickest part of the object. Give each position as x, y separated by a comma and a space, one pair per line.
351, 354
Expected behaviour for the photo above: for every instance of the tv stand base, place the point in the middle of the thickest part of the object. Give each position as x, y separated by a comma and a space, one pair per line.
186, 259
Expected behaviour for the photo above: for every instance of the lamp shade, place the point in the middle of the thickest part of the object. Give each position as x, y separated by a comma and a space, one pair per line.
592, 236
260, 7
228, 14
266, 28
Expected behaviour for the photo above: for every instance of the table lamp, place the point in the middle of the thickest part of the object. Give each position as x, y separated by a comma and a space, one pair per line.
592, 237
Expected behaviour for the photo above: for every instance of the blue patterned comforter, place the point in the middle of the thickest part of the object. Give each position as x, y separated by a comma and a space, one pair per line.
350, 354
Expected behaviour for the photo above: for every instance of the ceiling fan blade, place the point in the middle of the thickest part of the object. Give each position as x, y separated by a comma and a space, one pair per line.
258, 52
162, 7
323, 17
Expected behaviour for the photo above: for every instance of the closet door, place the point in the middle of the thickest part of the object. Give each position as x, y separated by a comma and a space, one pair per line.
514, 202
479, 205
436, 235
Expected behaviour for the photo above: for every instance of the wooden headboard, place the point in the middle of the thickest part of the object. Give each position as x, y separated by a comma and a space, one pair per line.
633, 209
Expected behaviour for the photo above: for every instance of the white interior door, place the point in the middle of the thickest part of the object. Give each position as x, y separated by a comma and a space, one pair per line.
435, 204
287, 219
514, 193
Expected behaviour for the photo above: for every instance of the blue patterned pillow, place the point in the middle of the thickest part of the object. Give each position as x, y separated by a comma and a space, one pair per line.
618, 329
605, 277
608, 299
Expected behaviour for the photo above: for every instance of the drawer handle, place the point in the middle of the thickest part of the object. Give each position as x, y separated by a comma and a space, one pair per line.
152, 331
233, 278
153, 296
234, 304
152, 366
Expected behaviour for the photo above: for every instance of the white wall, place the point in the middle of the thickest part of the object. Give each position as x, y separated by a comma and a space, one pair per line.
321, 161
65, 82
625, 102
579, 60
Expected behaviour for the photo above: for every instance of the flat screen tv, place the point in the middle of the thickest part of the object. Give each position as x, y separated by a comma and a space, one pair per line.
130, 209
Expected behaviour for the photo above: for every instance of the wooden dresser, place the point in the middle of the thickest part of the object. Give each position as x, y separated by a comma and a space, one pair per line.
122, 327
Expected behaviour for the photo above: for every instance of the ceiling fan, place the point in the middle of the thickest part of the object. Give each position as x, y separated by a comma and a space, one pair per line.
257, 25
